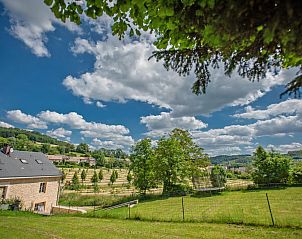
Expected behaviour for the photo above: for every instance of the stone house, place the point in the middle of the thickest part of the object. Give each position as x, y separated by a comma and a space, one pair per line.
72, 159
30, 177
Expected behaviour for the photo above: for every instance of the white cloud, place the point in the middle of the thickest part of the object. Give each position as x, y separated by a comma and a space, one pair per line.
6, 125
31, 121
100, 104
159, 125
115, 142
122, 72
30, 21
284, 148
288, 107
88, 129
59, 133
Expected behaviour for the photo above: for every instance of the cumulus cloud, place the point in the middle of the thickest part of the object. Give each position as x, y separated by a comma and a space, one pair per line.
31, 121
6, 125
159, 125
30, 21
118, 134
59, 133
284, 148
288, 107
88, 129
122, 72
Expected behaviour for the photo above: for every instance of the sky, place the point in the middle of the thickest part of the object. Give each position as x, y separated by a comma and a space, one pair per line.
82, 84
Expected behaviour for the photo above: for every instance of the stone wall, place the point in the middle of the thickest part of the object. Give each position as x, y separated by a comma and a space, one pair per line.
28, 191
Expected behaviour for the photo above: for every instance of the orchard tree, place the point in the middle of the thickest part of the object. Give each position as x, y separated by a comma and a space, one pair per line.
113, 177
249, 36
101, 176
94, 178
75, 181
270, 167
141, 158
83, 175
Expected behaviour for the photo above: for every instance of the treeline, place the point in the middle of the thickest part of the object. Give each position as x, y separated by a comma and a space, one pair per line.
232, 160
33, 141
30, 135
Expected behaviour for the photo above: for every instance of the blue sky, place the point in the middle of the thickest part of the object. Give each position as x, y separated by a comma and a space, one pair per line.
81, 84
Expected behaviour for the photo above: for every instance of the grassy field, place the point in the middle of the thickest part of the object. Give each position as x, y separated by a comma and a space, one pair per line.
28, 226
241, 207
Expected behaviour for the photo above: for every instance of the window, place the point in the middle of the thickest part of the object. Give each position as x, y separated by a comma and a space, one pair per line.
39, 161
2, 192
42, 188
24, 161
40, 207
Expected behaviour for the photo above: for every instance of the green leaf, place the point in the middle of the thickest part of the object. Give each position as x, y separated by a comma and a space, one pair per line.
48, 2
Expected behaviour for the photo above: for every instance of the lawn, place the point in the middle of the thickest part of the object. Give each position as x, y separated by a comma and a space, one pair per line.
240, 207
28, 226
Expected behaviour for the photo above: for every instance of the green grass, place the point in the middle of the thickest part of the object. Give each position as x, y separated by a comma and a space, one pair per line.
28, 226
242, 207
76, 199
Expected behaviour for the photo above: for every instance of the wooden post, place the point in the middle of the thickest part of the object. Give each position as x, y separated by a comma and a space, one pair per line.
183, 208
270, 210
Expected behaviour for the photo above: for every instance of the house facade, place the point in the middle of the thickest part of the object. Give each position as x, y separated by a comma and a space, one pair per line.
29, 177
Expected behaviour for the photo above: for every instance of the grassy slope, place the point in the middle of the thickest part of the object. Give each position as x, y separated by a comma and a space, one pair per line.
229, 207
23, 226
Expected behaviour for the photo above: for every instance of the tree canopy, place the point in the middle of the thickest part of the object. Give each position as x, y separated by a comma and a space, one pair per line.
251, 37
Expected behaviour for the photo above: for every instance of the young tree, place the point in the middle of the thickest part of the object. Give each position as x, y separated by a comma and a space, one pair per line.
113, 177
101, 176
270, 167
129, 177
94, 178
141, 158
75, 181
218, 176
83, 175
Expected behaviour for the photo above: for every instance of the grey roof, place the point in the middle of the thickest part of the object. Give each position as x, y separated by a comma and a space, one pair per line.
36, 165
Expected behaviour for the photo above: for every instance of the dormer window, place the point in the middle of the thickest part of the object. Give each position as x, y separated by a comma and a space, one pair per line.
24, 161
39, 161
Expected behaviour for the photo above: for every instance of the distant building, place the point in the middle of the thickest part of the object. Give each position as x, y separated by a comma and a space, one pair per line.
30, 177
71, 159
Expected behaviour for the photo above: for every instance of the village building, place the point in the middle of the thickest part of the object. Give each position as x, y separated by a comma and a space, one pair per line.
71, 159
29, 177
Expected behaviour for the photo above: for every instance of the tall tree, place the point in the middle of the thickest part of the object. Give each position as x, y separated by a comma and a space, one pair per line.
82, 148
250, 36
270, 167
141, 158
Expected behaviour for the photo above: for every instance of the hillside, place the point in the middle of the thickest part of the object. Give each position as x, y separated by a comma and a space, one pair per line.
232, 160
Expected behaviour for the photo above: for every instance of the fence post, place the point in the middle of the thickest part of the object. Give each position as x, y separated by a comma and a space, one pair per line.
129, 211
270, 210
183, 208
94, 208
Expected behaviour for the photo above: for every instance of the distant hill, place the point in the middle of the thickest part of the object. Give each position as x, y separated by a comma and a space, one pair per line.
232, 160
296, 155
31, 135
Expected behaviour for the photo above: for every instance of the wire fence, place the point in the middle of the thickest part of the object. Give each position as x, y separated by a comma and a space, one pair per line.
279, 207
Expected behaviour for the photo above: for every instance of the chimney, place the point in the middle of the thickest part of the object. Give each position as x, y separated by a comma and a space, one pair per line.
7, 149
